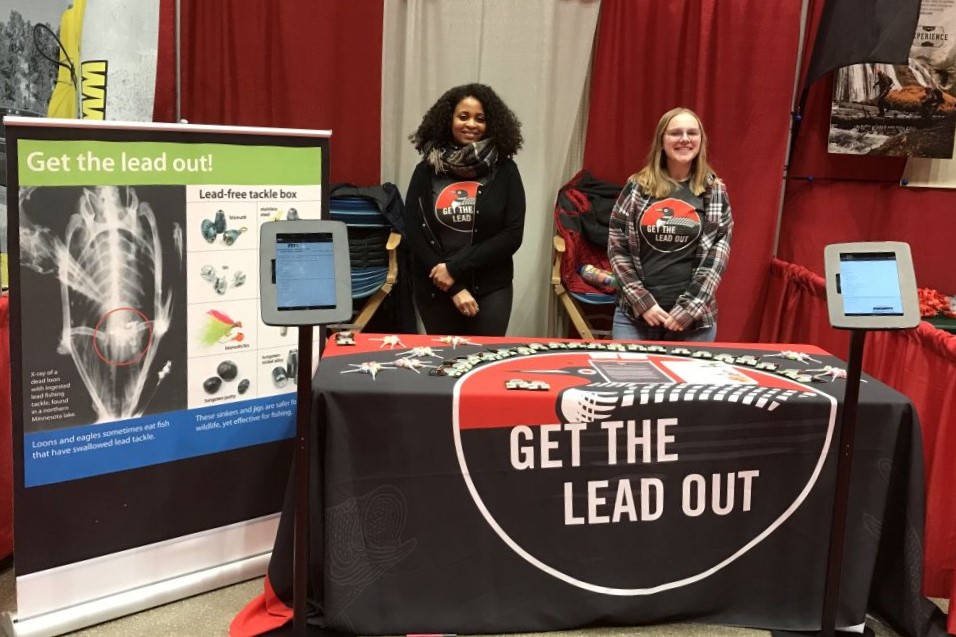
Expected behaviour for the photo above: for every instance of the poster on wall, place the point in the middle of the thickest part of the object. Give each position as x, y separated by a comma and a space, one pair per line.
27, 33
901, 110
114, 78
111, 49
143, 376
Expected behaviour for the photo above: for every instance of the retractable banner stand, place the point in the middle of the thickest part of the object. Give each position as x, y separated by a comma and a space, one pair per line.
152, 408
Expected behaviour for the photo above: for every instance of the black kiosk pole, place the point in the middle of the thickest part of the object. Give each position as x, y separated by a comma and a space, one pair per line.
841, 498
304, 281
870, 286
303, 443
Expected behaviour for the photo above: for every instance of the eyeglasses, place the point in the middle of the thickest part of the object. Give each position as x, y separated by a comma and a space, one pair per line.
677, 133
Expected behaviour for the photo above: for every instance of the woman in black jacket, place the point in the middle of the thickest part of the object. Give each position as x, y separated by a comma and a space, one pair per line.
465, 212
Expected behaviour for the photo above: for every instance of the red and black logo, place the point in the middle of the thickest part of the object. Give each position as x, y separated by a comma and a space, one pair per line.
567, 477
455, 206
670, 225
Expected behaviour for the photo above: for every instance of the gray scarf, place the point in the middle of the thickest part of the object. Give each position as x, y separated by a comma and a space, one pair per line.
468, 161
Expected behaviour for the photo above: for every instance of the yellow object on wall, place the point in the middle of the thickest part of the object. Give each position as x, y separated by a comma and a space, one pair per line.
63, 100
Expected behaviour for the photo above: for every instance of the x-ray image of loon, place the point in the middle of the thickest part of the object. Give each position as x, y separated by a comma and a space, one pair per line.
115, 308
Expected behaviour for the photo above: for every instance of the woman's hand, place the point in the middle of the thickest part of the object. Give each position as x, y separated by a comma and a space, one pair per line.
657, 316
441, 278
465, 303
670, 323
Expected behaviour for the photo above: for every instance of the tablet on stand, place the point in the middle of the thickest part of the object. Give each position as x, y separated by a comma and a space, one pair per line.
870, 286
304, 281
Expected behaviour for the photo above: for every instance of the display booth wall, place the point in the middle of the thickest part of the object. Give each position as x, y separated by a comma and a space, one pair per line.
270, 70
339, 66
647, 57
860, 198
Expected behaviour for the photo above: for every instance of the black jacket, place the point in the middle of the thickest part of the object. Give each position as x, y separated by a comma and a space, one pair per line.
486, 265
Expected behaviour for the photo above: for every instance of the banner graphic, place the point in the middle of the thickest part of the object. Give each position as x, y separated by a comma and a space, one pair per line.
887, 109
150, 404
141, 329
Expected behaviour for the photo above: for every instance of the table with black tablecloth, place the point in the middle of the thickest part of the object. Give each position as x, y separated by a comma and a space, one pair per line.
632, 487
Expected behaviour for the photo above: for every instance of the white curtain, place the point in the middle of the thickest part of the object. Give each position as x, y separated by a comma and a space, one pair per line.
931, 173
536, 55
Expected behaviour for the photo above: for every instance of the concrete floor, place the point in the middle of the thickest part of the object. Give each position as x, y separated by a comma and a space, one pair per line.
209, 615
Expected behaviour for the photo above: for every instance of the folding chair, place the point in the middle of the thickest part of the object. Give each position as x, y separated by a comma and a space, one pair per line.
585, 321
581, 213
373, 255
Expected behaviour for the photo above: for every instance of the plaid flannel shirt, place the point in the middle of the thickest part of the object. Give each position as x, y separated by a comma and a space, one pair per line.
697, 303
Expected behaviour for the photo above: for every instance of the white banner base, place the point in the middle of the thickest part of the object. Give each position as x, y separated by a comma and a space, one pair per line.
141, 578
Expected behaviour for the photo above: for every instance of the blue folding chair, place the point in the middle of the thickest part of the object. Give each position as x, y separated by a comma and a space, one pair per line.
373, 246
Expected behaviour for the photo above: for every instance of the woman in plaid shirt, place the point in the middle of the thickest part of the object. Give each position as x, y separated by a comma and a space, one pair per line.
669, 238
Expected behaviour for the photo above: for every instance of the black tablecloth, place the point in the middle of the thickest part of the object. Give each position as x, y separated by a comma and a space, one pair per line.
630, 491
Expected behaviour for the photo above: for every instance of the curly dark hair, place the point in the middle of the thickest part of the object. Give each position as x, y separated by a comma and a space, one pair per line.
501, 122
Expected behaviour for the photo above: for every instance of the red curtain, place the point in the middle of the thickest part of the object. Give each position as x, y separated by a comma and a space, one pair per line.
164, 101
817, 214
814, 12
858, 198
918, 363
733, 66
795, 310
292, 64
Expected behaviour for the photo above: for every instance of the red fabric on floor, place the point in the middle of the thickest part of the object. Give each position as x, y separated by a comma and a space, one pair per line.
264, 613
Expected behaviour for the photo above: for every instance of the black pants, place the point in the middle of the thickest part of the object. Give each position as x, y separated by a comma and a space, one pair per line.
440, 316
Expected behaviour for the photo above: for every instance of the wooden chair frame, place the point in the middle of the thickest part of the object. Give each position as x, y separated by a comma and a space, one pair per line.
572, 306
372, 303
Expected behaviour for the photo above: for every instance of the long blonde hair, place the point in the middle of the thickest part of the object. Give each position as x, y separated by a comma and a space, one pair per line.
654, 179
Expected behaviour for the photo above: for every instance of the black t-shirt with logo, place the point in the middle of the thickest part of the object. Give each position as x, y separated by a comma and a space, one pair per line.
454, 213
670, 230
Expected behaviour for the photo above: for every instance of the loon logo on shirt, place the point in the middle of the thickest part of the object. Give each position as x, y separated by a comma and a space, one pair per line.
455, 206
670, 225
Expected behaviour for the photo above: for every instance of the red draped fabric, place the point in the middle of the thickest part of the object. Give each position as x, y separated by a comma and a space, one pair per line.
291, 64
814, 12
734, 66
918, 363
164, 100
817, 214
795, 310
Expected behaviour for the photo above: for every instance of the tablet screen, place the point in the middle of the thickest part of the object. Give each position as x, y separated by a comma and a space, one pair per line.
304, 271
870, 284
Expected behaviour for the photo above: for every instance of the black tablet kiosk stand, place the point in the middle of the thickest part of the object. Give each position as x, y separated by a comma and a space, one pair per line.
870, 286
841, 498
303, 443
304, 281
